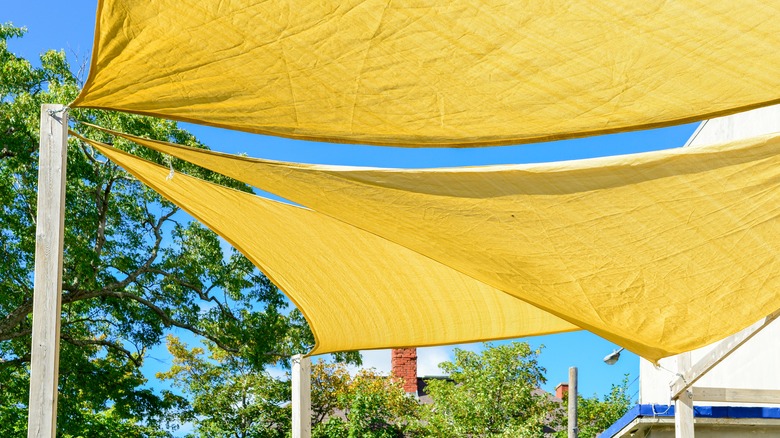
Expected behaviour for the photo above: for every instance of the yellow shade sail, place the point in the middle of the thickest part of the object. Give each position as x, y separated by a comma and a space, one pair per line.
434, 72
357, 290
661, 252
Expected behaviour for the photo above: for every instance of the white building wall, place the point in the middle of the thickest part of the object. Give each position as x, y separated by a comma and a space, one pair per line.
756, 365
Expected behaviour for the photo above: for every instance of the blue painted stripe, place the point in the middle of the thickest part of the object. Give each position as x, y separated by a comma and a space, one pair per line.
639, 411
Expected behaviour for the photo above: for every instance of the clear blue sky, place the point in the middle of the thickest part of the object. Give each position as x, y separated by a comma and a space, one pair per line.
69, 26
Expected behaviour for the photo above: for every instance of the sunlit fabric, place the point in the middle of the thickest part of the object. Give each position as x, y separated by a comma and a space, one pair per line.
435, 72
357, 290
660, 252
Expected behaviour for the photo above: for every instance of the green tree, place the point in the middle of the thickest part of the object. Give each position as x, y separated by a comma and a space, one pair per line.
370, 405
134, 266
229, 397
330, 383
595, 415
493, 393
110, 424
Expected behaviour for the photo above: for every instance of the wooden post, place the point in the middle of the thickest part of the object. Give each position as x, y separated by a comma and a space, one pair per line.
736, 395
47, 302
683, 406
573, 429
301, 396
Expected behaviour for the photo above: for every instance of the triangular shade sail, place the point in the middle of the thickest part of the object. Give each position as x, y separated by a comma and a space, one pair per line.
434, 73
357, 290
661, 252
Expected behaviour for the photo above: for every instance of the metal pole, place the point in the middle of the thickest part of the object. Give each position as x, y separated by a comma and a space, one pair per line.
47, 292
301, 396
573, 429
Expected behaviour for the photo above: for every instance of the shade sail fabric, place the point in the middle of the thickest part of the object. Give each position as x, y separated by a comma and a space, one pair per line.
435, 72
661, 252
357, 290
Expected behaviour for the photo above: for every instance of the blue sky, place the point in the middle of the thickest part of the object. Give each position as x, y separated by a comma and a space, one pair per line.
56, 25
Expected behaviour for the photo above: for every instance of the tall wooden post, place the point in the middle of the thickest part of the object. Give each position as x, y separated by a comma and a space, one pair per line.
573, 429
301, 396
683, 405
47, 302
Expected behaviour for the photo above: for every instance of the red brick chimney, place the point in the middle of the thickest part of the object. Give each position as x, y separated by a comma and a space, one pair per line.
561, 390
404, 363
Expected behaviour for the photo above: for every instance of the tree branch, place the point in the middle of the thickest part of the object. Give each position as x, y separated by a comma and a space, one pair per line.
15, 317
90, 155
161, 313
15, 362
19, 334
203, 295
136, 360
101, 199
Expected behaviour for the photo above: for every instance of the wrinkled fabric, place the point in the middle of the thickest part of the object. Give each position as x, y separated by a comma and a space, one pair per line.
356, 290
660, 252
436, 72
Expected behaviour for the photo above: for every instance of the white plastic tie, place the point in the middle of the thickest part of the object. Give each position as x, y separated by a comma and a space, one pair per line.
172, 172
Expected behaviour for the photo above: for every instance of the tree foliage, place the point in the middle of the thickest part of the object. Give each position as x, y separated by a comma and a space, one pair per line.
134, 265
229, 397
493, 393
367, 405
330, 383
